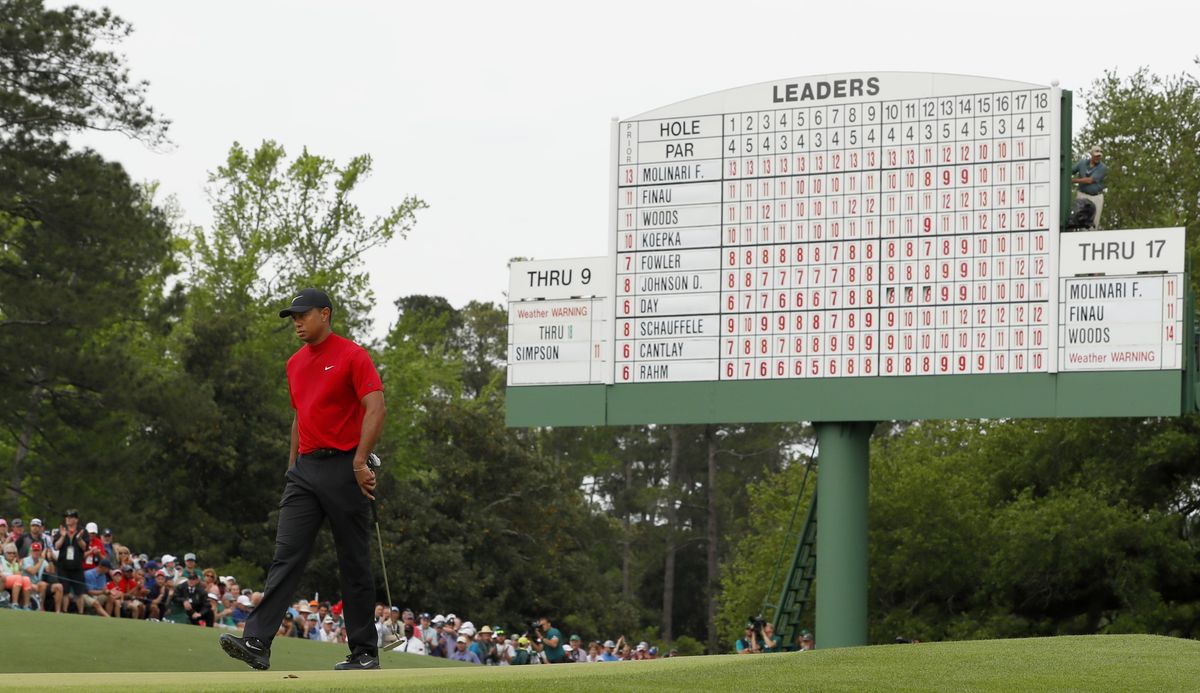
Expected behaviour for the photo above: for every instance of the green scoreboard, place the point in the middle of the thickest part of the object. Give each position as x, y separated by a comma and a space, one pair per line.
851, 247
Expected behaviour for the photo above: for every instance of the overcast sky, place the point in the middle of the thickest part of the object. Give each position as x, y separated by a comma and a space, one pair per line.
498, 114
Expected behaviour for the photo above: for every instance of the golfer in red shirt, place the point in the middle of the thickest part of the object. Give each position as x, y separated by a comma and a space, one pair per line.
338, 399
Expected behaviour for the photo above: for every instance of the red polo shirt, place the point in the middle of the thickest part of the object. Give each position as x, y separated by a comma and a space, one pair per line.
327, 383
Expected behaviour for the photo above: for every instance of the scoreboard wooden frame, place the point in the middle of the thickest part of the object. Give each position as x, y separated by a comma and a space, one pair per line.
843, 247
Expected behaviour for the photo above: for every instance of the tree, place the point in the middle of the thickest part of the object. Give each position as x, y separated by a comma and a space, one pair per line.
59, 75
280, 226
477, 516
82, 251
1149, 128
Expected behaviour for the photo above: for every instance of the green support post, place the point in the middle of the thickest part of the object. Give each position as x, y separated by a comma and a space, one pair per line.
841, 619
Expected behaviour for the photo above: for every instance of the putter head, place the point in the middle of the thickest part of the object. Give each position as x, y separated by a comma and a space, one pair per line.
391, 646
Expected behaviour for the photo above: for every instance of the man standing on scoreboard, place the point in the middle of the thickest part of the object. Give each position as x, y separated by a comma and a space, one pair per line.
1089, 176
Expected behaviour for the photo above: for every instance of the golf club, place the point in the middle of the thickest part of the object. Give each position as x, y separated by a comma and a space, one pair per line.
375, 463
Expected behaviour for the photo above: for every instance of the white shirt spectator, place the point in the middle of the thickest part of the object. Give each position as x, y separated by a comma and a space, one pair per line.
412, 645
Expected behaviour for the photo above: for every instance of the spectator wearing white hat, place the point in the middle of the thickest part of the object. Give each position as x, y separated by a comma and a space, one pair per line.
172, 569
445, 642
328, 633
461, 653
242, 606
95, 548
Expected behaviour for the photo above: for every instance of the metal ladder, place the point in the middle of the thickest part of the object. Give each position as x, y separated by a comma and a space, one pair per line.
798, 586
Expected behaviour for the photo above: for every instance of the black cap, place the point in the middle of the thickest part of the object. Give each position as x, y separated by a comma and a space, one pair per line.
71, 512
305, 301
107, 532
105, 562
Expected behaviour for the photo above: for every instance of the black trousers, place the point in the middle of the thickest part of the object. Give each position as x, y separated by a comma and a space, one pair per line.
316, 489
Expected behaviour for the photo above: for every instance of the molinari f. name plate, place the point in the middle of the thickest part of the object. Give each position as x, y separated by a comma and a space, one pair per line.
847, 225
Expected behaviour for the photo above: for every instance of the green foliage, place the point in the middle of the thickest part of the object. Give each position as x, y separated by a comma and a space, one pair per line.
61, 75
754, 564
250, 574
684, 645
476, 517
1076, 525
280, 226
1149, 128
79, 242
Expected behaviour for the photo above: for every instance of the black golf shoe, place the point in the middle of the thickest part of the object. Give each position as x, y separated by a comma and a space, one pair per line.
360, 661
252, 651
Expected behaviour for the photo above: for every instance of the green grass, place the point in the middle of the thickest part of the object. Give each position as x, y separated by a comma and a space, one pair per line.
182, 656
46, 642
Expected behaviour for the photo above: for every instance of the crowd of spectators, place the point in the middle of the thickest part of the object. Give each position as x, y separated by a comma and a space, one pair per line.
82, 569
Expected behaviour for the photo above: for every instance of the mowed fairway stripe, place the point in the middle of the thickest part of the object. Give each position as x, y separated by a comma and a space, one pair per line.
122, 655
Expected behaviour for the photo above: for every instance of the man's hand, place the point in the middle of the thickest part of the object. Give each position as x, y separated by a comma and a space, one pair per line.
365, 476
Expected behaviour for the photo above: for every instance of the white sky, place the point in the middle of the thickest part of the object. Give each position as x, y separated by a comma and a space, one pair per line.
498, 114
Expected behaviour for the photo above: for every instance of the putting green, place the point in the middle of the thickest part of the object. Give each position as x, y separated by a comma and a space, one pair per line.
138, 654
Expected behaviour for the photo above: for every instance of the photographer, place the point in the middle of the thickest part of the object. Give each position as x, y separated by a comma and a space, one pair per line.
768, 642
552, 640
748, 643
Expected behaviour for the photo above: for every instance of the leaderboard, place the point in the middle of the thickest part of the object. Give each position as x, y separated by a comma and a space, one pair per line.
853, 225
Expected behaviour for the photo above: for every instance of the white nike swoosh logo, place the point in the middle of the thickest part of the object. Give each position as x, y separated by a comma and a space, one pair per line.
328, 367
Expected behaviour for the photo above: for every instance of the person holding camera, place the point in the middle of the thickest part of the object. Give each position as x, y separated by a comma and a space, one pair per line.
552, 640
748, 643
337, 396
768, 642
